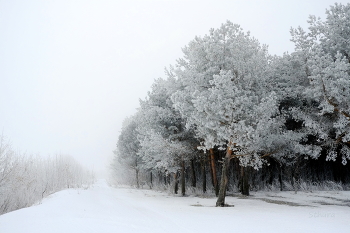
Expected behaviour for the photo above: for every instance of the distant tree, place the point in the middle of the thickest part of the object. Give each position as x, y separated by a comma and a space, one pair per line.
25, 180
128, 147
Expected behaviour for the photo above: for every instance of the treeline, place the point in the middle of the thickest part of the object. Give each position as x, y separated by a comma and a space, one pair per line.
230, 113
26, 180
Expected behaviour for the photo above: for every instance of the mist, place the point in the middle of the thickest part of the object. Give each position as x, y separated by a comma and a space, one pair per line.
71, 71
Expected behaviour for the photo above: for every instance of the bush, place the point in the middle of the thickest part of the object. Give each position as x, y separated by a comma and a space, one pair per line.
25, 180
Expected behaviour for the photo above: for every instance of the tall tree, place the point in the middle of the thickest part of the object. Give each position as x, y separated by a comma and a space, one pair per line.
165, 142
225, 96
326, 51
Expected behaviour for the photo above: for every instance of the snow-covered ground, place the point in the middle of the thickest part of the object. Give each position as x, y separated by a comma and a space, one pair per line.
104, 209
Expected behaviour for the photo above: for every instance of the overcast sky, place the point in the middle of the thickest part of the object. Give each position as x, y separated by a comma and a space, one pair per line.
71, 71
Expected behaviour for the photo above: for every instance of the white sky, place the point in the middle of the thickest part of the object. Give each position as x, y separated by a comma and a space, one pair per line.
71, 71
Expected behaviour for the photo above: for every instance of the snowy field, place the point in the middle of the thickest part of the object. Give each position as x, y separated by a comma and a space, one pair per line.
105, 209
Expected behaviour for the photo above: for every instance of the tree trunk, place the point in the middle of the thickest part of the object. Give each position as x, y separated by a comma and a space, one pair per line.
183, 189
296, 176
193, 177
137, 174
168, 179
176, 185
245, 181
224, 179
280, 168
213, 171
137, 178
160, 177
204, 177
151, 180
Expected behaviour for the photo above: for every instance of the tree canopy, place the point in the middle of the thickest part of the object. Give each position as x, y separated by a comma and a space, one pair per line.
227, 93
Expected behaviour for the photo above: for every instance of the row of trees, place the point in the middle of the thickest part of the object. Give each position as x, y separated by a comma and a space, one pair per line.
25, 180
227, 100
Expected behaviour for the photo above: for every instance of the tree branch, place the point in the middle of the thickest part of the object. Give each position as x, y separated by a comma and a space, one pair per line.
347, 115
270, 153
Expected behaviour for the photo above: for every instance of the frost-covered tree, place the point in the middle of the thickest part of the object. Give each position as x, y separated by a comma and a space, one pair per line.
326, 50
128, 147
165, 142
225, 96
204, 58
25, 180
228, 93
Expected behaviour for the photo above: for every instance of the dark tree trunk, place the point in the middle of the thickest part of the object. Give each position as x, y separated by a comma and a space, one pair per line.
160, 177
137, 178
280, 169
151, 180
245, 181
193, 177
176, 181
213, 171
137, 175
183, 189
204, 176
224, 179
296, 175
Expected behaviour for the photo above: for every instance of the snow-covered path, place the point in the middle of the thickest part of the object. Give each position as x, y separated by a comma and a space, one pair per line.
105, 209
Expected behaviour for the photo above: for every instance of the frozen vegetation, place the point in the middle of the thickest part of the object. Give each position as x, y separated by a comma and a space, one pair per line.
231, 114
25, 180
231, 126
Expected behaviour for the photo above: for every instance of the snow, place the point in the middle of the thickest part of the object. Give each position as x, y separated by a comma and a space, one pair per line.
106, 209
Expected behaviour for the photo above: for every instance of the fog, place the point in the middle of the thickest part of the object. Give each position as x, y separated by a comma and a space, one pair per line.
71, 71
